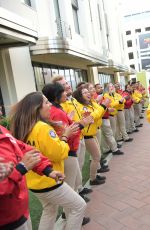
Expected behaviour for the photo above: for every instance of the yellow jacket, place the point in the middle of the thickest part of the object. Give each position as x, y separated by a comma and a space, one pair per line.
73, 105
114, 102
118, 97
45, 139
97, 112
136, 96
148, 113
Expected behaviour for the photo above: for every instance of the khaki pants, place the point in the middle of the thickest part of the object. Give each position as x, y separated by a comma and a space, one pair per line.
137, 113
132, 118
108, 135
73, 176
93, 148
26, 226
121, 127
113, 124
81, 154
67, 198
127, 113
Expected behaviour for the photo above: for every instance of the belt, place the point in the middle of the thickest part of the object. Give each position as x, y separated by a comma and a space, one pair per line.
111, 115
88, 137
120, 110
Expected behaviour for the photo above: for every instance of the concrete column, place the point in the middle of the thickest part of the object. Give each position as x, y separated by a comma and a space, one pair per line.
93, 75
16, 75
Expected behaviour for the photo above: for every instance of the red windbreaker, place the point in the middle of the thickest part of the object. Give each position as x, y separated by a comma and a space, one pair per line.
58, 114
14, 207
128, 103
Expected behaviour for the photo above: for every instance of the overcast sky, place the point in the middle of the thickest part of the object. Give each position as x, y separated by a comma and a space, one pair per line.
134, 6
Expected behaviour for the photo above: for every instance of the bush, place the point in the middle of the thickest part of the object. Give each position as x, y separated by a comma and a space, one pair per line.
4, 121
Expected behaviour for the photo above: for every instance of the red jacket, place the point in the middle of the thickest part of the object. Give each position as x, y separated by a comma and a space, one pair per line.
13, 190
58, 114
128, 103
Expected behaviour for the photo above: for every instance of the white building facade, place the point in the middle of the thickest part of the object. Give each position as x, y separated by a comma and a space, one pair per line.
80, 39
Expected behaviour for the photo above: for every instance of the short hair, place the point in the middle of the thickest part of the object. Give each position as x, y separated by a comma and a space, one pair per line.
80, 84
77, 94
97, 84
57, 78
53, 91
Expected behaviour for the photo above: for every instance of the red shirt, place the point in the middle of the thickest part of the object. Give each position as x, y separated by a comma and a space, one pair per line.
58, 114
128, 103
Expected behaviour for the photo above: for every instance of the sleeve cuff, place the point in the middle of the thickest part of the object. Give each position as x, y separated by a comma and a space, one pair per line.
21, 168
120, 102
47, 171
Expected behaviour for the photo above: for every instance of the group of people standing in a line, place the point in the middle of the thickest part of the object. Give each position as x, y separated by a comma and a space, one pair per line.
49, 134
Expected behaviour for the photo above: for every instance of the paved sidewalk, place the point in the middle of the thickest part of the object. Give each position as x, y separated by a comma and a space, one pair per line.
123, 202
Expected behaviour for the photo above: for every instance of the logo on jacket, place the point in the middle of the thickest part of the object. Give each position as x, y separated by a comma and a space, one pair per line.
52, 134
85, 109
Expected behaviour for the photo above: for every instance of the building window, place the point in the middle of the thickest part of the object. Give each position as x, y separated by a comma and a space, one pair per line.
27, 2
128, 32
131, 56
138, 31
43, 74
104, 79
129, 43
75, 15
132, 66
147, 28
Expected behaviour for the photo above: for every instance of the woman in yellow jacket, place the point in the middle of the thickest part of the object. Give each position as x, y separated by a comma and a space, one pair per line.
89, 107
148, 113
29, 124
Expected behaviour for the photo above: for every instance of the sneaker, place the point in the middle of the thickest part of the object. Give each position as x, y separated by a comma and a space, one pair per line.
86, 220
141, 117
98, 177
96, 182
118, 152
103, 170
136, 130
138, 126
85, 191
128, 140
85, 198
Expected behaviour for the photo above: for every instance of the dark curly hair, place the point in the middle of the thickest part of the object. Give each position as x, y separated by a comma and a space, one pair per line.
53, 91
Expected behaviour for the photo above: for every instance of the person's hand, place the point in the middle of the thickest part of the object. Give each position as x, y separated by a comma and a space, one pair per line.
70, 130
106, 102
5, 169
86, 114
121, 100
86, 121
99, 99
111, 110
31, 159
57, 176
71, 115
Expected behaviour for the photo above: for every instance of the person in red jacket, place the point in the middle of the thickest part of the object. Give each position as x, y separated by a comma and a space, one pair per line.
129, 110
14, 209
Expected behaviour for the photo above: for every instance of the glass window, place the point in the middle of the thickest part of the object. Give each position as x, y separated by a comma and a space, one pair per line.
75, 19
132, 66
27, 2
137, 30
129, 43
128, 32
39, 78
147, 29
131, 56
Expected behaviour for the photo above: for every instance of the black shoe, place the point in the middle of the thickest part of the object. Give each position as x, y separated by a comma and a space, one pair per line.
136, 130
118, 152
63, 216
141, 117
103, 170
85, 191
119, 146
98, 177
120, 140
96, 182
129, 140
86, 220
85, 198
129, 132
138, 126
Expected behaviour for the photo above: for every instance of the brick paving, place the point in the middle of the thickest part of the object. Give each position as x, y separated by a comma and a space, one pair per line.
123, 202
